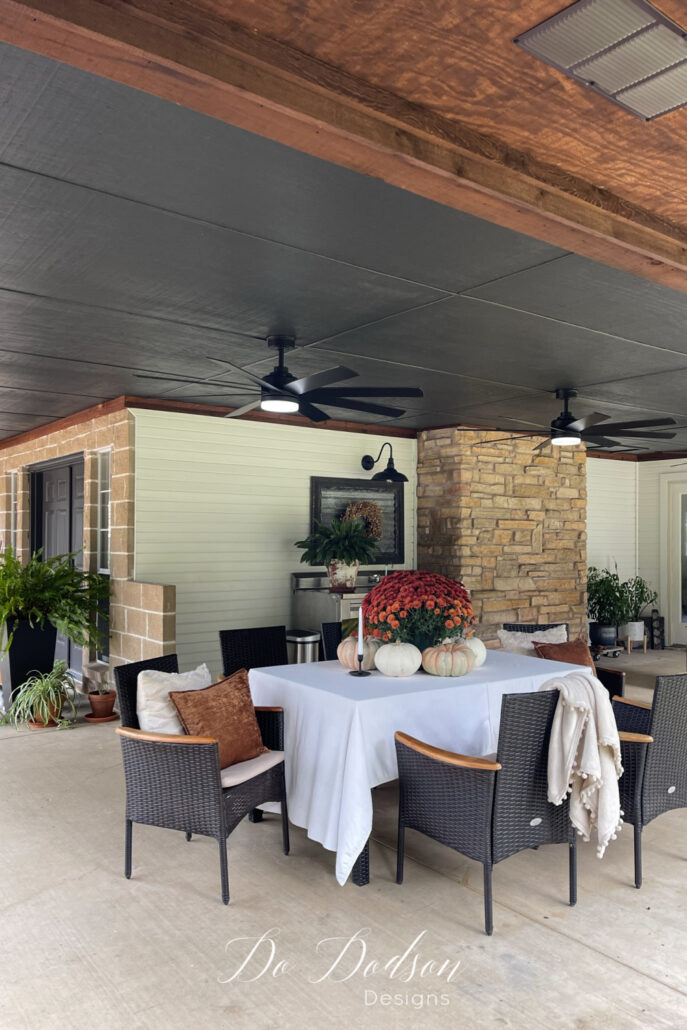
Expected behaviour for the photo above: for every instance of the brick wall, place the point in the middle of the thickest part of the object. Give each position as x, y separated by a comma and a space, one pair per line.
142, 616
509, 522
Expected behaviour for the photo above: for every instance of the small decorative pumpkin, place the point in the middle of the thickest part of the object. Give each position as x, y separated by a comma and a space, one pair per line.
478, 649
448, 660
398, 659
347, 652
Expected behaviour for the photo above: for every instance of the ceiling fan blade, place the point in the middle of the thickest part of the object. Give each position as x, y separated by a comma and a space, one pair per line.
581, 424
365, 391
181, 379
244, 409
245, 372
371, 409
311, 412
309, 383
625, 433
601, 441
504, 439
541, 445
642, 423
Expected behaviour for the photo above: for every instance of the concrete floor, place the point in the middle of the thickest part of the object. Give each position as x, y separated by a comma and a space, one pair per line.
83, 948
642, 669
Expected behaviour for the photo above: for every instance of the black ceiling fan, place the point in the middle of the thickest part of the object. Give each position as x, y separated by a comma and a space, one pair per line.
566, 430
279, 391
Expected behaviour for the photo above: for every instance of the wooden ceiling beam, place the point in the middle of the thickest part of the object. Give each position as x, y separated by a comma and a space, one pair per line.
190, 56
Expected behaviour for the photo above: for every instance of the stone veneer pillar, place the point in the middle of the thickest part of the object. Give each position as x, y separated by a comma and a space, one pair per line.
508, 521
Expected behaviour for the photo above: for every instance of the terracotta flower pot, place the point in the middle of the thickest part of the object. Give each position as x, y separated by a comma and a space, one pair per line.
55, 712
102, 704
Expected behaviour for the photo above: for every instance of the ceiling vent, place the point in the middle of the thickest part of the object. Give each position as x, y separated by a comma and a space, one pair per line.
625, 50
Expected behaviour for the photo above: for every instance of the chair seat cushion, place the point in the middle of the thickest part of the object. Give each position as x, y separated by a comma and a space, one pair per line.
242, 771
575, 652
154, 709
224, 711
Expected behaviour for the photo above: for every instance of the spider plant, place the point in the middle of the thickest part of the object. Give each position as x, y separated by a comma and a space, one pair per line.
41, 699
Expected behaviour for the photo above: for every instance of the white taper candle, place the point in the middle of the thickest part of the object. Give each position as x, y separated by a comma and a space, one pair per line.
361, 630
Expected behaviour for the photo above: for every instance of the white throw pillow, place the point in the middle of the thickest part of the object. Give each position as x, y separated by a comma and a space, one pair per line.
155, 711
523, 643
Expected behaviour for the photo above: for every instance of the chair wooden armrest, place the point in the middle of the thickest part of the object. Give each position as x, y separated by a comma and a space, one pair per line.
629, 701
268, 708
162, 738
634, 738
450, 757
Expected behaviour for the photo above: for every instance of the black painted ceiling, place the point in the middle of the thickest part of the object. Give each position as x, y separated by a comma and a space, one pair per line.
139, 236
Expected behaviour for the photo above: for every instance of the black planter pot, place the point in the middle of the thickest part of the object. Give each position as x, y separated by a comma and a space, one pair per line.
602, 635
32, 648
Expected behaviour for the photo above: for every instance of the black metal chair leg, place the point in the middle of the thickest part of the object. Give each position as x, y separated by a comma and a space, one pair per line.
361, 869
400, 851
488, 904
638, 855
127, 848
255, 815
188, 835
572, 869
285, 822
224, 870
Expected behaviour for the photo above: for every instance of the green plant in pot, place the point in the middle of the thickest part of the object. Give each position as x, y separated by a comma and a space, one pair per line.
102, 699
341, 547
38, 598
605, 606
41, 700
637, 595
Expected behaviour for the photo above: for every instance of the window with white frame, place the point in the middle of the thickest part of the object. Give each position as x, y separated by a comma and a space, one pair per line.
103, 547
103, 554
14, 510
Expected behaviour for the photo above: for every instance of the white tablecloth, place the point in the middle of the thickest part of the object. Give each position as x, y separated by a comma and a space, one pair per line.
339, 733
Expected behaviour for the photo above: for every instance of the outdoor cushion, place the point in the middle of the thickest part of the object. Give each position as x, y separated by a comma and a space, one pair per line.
523, 643
575, 652
224, 711
242, 771
155, 711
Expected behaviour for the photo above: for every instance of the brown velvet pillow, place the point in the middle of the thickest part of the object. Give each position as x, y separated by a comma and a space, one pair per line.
223, 711
575, 652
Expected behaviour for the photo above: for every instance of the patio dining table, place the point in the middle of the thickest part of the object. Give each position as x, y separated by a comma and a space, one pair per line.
339, 735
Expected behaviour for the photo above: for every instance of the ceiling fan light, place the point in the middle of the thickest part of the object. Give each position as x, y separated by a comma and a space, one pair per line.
564, 439
279, 405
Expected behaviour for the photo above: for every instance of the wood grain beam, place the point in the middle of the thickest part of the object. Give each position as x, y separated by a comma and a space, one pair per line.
190, 56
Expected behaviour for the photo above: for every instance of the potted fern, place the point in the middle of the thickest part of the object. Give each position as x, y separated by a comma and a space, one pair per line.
341, 547
41, 699
37, 599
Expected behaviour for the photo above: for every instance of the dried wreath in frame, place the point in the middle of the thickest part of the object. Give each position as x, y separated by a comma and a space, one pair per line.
371, 515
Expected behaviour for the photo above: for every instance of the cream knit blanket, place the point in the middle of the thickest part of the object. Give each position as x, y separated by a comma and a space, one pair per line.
584, 757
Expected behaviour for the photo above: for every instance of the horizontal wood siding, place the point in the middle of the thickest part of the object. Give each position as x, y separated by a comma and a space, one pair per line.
612, 515
219, 504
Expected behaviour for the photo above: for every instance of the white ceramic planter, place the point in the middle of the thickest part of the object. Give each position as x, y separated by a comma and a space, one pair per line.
632, 631
342, 577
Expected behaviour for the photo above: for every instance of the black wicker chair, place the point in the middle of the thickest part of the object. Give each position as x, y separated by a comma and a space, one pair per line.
654, 755
252, 648
612, 679
483, 809
331, 638
175, 781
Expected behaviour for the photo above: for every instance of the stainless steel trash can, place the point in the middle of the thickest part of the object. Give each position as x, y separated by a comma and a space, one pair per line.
303, 645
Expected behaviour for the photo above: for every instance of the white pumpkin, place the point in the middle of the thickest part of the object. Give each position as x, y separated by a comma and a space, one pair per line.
478, 649
347, 652
452, 659
398, 659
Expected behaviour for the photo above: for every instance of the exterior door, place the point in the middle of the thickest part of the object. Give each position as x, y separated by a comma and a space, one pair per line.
673, 553
58, 492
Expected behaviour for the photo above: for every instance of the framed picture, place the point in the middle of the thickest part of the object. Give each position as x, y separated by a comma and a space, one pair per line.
329, 499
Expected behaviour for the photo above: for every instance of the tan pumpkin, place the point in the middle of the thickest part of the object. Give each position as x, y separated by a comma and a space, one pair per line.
398, 659
347, 652
448, 660
478, 649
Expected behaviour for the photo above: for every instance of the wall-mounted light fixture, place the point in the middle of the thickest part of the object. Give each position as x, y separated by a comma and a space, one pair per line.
390, 474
